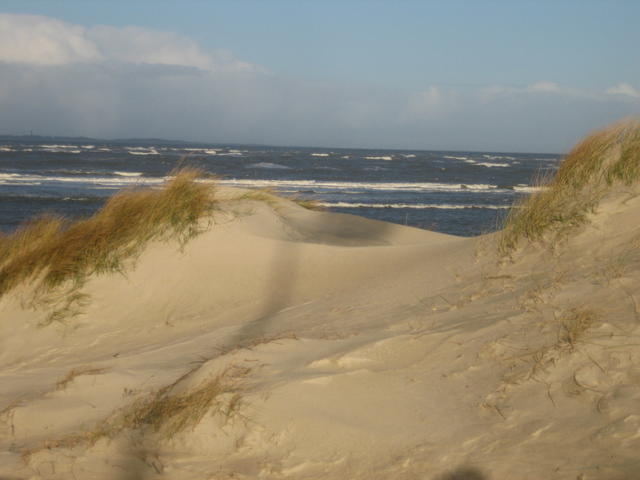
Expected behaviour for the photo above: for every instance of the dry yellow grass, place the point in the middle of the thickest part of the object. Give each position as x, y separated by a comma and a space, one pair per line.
164, 412
309, 204
55, 251
172, 413
573, 326
77, 372
605, 158
271, 197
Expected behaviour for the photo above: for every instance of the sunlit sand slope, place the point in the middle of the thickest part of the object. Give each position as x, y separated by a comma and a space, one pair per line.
284, 343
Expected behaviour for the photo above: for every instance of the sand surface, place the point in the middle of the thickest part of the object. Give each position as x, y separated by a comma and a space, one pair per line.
289, 344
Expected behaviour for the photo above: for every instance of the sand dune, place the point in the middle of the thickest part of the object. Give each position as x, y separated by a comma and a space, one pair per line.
287, 343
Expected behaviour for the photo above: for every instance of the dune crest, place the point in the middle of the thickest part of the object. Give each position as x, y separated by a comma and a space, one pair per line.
281, 342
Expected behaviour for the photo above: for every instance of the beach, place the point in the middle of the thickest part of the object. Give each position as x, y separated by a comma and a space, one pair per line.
279, 342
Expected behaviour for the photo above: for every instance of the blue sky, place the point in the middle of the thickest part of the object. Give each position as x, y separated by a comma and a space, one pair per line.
463, 75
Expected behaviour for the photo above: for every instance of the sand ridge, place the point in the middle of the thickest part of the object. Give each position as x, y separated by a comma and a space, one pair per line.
286, 343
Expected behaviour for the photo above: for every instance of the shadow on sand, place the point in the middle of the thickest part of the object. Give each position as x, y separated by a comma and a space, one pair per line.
140, 457
463, 473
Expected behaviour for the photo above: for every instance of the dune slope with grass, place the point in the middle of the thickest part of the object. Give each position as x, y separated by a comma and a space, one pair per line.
254, 338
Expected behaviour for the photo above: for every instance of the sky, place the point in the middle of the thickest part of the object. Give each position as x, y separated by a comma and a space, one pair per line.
481, 75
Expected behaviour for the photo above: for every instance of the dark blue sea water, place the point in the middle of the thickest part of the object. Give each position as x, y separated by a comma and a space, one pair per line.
461, 193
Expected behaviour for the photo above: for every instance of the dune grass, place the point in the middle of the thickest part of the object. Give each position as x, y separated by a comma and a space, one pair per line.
164, 412
271, 197
52, 251
171, 413
602, 160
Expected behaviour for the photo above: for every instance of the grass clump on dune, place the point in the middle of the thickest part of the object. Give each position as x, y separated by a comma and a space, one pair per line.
605, 158
165, 412
272, 198
55, 251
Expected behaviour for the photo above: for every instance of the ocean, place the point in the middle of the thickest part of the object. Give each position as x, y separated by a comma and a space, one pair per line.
459, 193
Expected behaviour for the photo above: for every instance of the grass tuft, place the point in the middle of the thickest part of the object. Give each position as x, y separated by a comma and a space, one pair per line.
163, 412
77, 372
55, 251
309, 204
573, 326
605, 158
173, 413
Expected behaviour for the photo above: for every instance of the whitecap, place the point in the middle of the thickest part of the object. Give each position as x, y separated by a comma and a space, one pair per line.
269, 165
528, 188
489, 165
208, 151
320, 155
151, 151
376, 186
19, 179
498, 157
417, 206
384, 157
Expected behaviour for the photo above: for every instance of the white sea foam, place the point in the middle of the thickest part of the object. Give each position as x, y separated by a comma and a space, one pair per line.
455, 158
408, 155
379, 186
18, 179
60, 148
275, 166
142, 151
128, 174
417, 206
88, 147
527, 188
6, 149
208, 151
320, 155
9, 182
489, 164
229, 154
498, 157
384, 157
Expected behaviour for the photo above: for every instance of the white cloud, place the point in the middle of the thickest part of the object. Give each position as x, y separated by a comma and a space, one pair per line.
64, 79
623, 89
549, 87
432, 102
43, 41
38, 40
142, 45
544, 87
